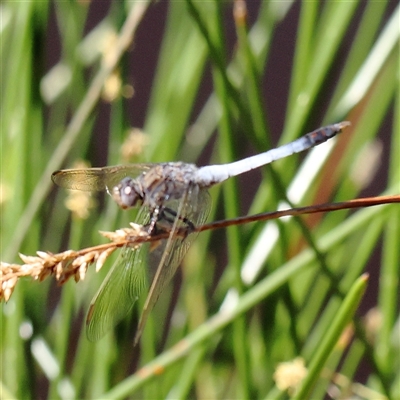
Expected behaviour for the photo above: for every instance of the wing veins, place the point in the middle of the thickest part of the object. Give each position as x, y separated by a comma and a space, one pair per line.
174, 250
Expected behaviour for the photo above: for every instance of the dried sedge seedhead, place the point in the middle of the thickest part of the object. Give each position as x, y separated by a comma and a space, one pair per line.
80, 202
134, 144
112, 87
7, 285
126, 235
373, 321
70, 263
288, 375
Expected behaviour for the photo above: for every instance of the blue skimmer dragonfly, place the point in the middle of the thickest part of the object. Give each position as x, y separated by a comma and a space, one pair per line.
172, 196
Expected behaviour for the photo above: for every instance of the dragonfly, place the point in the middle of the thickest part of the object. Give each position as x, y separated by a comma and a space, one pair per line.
172, 196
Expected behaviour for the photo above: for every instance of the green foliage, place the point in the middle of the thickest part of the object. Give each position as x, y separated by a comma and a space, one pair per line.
266, 293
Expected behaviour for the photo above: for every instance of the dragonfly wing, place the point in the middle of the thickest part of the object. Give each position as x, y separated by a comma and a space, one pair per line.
122, 286
97, 179
124, 283
194, 206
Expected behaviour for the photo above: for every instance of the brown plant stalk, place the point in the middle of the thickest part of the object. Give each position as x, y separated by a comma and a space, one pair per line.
71, 263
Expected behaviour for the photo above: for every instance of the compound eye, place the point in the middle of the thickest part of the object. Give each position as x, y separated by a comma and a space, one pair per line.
126, 193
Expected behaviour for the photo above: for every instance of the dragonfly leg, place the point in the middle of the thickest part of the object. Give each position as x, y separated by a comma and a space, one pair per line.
169, 215
155, 216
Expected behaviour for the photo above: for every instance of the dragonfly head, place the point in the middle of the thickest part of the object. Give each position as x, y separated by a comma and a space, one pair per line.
128, 193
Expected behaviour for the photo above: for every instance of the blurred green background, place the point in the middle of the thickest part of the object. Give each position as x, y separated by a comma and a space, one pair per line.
118, 82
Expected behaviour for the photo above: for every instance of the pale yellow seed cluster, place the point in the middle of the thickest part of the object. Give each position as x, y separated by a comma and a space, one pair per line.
134, 144
80, 202
288, 375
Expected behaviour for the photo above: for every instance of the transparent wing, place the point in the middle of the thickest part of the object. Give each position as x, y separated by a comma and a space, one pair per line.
124, 283
194, 206
97, 179
128, 277
120, 289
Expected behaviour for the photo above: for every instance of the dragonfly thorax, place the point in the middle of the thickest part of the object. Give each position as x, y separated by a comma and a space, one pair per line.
128, 193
